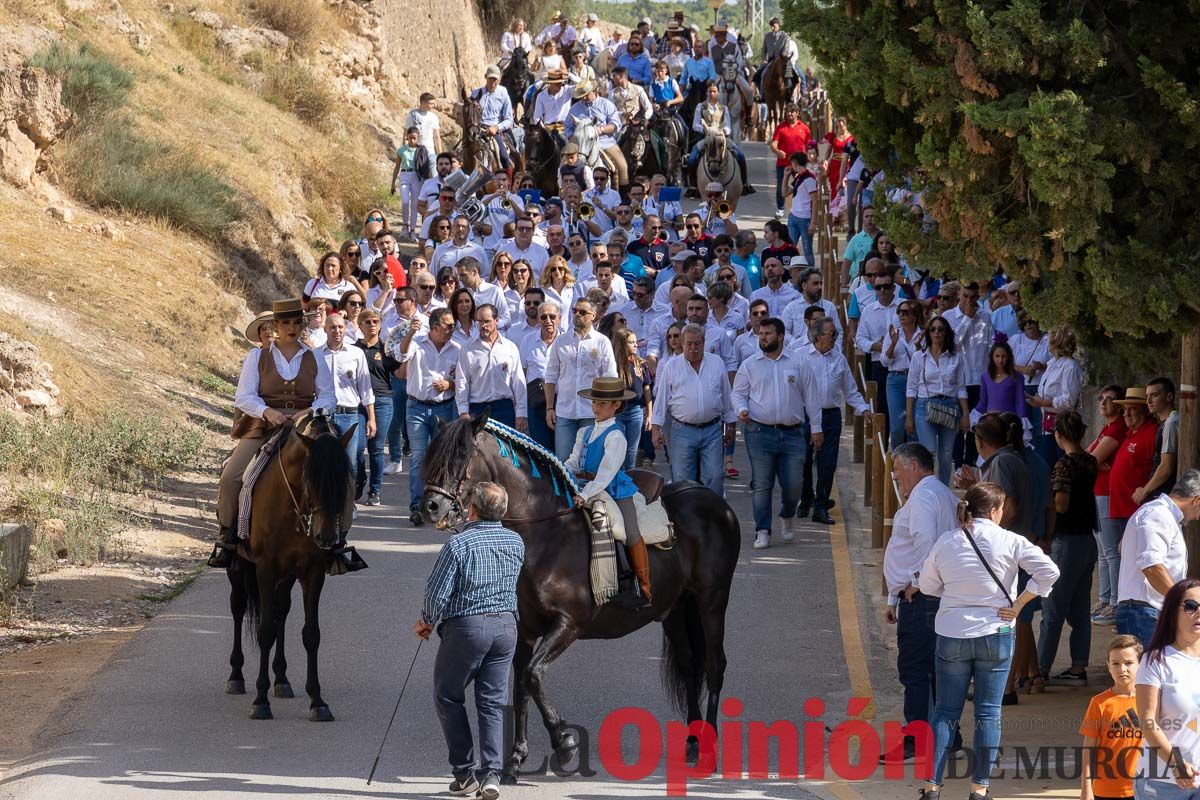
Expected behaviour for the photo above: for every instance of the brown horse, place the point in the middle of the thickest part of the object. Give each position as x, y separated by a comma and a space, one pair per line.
775, 91
296, 514
478, 147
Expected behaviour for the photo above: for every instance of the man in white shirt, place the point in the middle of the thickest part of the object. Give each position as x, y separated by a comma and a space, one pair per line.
503, 206
604, 278
973, 336
603, 198
528, 323
640, 312
430, 363
811, 285
580, 263
522, 246
778, 292
458, 247
489, 375
351, 386
836, 385
677, 312
877, 318
535, 352
559, 30
427, 123
481, 290
772, 392
443, 166
574, 360
1154, 556
552, 104
694, 391
930, 509
591, 37
716, 341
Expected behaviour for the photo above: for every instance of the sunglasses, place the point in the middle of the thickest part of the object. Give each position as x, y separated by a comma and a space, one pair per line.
374, 218
640, 294
426, 288
355, 304
885, 287
713, 194
693, 227
759, 313
520, 270
443, 226
449, 281
355, 253
1190, 606
726, 277
545, 317
939, 330
524, 230
583, 312
904, 311
872, 274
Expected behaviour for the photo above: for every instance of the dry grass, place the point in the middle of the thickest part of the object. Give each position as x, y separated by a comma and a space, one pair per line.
290, 85
303, 21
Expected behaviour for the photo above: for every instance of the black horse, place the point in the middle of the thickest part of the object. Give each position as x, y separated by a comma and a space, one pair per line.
692, 98
542, 155
517, 78
691, 580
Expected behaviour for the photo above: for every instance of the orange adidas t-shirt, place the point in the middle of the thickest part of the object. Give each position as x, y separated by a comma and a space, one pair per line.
1112, 720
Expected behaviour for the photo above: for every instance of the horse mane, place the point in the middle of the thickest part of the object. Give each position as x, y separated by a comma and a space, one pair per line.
534, 452
456, 443
327, 473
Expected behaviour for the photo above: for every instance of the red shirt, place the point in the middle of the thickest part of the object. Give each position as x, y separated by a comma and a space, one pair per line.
1131, 468
790, 139
1115, 430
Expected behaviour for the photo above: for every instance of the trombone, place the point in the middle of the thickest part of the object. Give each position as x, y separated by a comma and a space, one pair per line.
722, 209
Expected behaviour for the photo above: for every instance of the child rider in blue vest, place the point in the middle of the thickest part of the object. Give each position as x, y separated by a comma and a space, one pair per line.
598, 456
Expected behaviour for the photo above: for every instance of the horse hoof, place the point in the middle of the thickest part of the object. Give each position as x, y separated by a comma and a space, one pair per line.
566, 747
235, 687
261, 712
284, 690
692, 753
321, 714
508, 779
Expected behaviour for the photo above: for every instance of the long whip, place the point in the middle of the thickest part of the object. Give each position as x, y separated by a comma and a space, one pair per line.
394, 710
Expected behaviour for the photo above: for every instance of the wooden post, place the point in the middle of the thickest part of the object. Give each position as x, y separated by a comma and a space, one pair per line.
862, 428
881, 483
1189, 432
891, 503
857, 454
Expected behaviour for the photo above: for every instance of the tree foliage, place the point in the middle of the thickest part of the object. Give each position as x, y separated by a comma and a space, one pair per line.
1060, 140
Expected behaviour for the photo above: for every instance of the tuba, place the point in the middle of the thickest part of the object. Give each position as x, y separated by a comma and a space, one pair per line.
465, 189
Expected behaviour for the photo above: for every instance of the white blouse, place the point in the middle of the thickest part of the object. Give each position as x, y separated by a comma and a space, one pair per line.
1062, 384
932, 377
1026, 351
510, 41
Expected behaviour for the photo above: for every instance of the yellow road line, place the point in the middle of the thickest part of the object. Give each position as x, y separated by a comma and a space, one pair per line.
856, 657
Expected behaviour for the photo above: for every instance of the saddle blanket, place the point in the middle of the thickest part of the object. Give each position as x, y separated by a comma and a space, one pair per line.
608, 526
253, 470
652, 519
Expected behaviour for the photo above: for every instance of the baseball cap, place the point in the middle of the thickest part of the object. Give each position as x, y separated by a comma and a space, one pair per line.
492, 71
592, 18
570, 148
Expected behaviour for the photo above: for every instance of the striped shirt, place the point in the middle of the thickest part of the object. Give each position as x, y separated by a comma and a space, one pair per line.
475, 573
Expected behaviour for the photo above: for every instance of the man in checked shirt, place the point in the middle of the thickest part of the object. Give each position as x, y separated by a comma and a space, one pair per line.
473, 592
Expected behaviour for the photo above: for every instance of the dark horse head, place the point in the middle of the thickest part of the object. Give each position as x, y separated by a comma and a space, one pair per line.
474, 137
447, 471
517, 77
324, 468
542, 154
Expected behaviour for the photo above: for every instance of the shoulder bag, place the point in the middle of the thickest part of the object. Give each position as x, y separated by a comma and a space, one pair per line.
988, 566
940, 409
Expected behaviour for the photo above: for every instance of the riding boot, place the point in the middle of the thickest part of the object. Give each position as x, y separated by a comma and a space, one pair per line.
639, 559
223, 551
746, 187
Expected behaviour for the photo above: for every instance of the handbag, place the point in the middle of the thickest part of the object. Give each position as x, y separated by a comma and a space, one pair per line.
988, 567
939, 409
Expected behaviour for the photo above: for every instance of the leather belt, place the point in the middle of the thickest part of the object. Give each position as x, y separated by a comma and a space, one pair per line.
345, 409
712, 421
1136, 604
430, 402
779, 426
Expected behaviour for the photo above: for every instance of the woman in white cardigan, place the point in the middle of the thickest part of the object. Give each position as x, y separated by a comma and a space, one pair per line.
973, 569
1059, 391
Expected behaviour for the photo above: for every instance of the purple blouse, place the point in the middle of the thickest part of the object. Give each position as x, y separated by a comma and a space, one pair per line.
1007, 395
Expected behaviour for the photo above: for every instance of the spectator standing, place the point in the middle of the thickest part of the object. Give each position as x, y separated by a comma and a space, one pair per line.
1108, 534
574, 360
489, 375
973, 338
974, 571
1166, 701
1131, 467
772, 393
1107, 724
877, 317
381, 368
535, 351
1073, 550
1160, 399
937, 386
412, 169
901, 343
802, 190
790, 137
694, 393
1002, 388
930, 509
471, 596
1031, 354
1059, 389
859, 246
634, 417
810, 283
778, 292
352, 387
1154, 557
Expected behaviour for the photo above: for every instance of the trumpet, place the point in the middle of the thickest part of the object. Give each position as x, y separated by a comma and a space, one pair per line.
506, 204
585, 211
638, 212
723, 209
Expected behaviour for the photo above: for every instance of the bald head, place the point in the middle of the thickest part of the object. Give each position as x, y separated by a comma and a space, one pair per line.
679, 297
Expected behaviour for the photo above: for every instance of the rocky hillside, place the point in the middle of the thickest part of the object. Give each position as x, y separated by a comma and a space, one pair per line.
166, 168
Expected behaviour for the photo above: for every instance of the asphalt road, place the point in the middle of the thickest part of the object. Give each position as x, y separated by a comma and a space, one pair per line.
156, 723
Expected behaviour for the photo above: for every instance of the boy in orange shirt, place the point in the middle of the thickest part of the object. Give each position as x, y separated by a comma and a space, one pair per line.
1112, 733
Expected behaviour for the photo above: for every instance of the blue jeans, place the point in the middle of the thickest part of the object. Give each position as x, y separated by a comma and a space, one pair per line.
631, 420
1138, 621
825, 459
1147, 789
896, 384
779, 187
774, 454
502, 410
397, 430
937, 439
375, 445
1108, 543
539, 429
1075, 556
564, 435
475, 649
343, 422
422, 425
798, 230
986, 659
698, 449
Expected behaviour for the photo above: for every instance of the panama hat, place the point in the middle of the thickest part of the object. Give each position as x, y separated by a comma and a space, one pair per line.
556, 16
255, 326
1135, 396
291, 308
581, 90
556, 76
607, 389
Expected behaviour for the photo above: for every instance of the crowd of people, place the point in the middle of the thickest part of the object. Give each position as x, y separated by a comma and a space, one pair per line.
701, 330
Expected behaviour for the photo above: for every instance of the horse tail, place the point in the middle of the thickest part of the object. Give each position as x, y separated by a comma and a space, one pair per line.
327, 474
253, 604
677, 669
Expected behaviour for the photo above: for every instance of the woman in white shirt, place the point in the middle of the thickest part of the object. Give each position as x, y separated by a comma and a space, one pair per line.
351, 307
520, 278
462, 305
937, 378
1166, 686
550, 60
559, 285
516, 36
1031, 353
330, 283
1059, 390
899, 346
973, 569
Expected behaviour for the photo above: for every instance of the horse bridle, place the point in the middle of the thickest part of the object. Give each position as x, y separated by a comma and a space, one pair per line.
304, 521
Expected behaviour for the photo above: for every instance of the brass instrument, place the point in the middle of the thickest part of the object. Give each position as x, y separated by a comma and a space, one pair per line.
723, 209
586, 211
638, 212
506, 204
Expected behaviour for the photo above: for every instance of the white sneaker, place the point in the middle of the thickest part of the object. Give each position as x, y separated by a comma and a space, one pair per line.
394, 468
788, 529
762, 540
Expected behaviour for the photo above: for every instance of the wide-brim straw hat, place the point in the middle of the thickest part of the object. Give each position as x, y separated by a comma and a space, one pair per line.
255, 326
607, 389
1133, 397
287, 309
556, 76
581, 90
